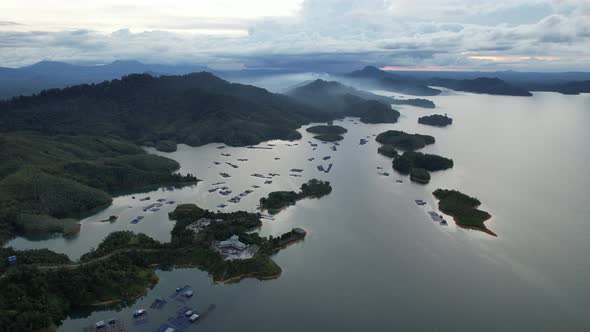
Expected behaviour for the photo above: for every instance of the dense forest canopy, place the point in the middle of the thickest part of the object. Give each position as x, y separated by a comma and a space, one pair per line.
463, 208
403, 140
195, 109
435, 120
45, 180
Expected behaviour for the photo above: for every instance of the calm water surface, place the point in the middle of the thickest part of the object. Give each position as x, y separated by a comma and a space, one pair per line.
373, 260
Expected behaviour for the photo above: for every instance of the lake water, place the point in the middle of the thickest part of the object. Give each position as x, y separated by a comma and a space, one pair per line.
373, 260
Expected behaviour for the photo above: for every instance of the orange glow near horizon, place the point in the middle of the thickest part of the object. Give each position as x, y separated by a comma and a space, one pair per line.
511, 58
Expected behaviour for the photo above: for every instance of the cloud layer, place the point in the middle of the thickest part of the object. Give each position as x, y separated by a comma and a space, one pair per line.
313, 34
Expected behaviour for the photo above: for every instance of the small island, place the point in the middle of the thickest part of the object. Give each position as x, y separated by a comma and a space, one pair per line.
403, 140
463, 209
436, 120
387, 150
280, 199
418, 164
328, 133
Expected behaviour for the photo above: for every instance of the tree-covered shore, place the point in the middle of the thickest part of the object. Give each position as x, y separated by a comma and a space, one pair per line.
403, 140
280, 199
48, 182
464, 209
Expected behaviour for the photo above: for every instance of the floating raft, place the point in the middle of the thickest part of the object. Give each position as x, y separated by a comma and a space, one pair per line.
179, 291
158, 303
117, 326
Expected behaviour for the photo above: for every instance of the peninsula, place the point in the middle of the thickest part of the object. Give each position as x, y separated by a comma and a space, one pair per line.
48, 182
39, 292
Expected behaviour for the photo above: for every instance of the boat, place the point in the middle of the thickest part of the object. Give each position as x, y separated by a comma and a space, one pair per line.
420, 202
139, 313
193, 318
327, 157
221, 206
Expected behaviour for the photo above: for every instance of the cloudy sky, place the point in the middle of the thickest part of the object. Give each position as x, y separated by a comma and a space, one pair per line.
536, 35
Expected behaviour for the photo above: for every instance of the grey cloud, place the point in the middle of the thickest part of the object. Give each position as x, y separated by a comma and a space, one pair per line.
329, 33
8, 23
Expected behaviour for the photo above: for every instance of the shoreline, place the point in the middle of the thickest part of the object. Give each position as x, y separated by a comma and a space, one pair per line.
247, 275
153, 281
484, 230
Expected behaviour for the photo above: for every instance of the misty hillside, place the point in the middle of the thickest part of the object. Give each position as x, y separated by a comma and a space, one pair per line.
380, 79
346, 101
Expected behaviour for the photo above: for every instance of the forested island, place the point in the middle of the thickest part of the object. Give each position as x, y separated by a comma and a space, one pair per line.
328, 133
418, 165
403, 140
44, 287
463, 208
280, 199
435, 120
48, 182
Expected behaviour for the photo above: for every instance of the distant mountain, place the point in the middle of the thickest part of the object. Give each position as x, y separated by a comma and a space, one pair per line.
381, 79
52, 74
195, 109
493, 86
568, 88
346, 101
562, 82
320, 90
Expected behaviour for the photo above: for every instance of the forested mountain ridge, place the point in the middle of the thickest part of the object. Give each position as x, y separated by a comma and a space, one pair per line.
195, 109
